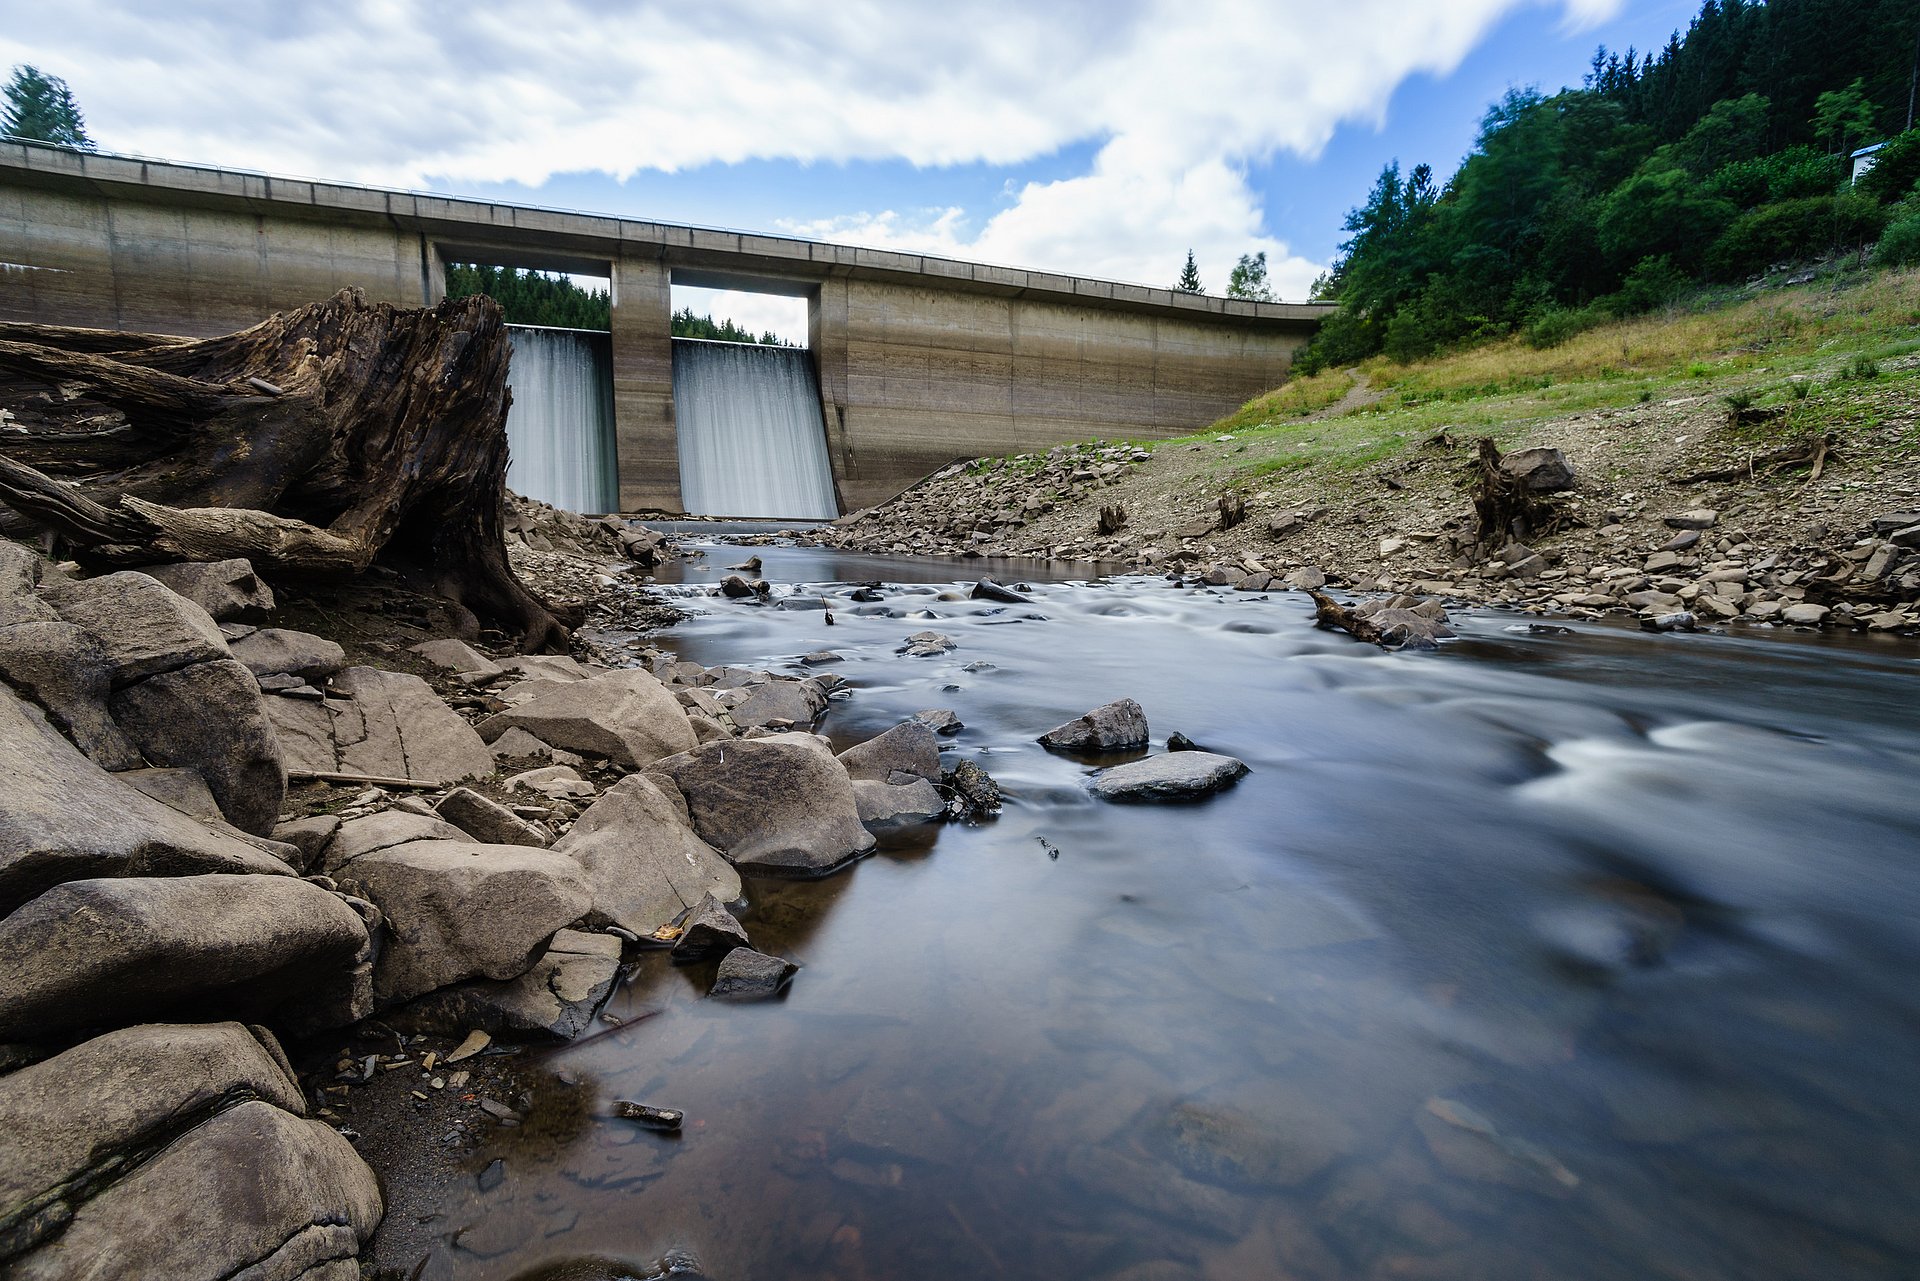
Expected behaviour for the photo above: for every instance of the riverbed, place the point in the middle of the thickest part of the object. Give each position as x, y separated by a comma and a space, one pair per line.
1556, 953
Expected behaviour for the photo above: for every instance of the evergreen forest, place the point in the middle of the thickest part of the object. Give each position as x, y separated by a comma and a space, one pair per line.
1719, 158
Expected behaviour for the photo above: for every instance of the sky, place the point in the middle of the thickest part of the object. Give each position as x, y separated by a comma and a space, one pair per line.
1097, 137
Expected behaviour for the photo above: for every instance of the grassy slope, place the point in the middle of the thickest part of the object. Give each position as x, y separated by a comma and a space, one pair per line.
1770, 348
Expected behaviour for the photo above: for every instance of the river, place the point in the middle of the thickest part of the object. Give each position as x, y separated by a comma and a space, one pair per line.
1573, 955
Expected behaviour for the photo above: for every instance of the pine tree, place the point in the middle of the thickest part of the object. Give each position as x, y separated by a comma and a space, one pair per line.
41, 108
1190, 277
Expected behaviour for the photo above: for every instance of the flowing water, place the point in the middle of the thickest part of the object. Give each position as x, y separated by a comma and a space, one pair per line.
560, 425
1584, 955
751, 436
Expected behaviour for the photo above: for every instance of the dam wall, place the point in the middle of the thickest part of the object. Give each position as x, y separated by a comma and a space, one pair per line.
919, 360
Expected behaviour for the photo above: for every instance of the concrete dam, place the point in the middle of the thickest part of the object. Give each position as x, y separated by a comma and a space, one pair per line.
912, 361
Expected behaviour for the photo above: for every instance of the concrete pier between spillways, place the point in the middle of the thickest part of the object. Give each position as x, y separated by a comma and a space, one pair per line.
921, 360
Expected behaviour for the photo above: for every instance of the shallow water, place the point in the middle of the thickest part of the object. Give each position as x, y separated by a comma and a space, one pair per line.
1584, 955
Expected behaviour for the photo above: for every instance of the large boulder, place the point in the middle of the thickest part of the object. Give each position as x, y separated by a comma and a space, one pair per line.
558, 997
252, 1192
77, 1121
99, 953
382, 724
228, 590
143, 628
63, 818
907, 751
1115, 727
1542, 470
776, 806
459, 910
275, 651
644, 860
370, 832
210, 717
65, 670
629, 717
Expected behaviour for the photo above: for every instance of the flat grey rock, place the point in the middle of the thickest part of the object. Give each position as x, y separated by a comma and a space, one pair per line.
908, 750
889, 805
228, 590
489, 821
383, 724
274, 650
294, 1202
629, 717
1176, 776
557, 998
85, 1110
134, 949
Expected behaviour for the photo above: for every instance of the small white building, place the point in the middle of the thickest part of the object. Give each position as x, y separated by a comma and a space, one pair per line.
1863, 162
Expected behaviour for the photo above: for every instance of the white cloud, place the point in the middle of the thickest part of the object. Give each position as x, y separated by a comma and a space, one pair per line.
756, 313
1181, 95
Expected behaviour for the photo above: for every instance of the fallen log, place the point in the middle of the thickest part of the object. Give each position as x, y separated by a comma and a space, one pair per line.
312, 444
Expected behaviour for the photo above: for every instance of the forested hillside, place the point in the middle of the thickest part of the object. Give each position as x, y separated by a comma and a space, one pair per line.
532, 297
1720, 157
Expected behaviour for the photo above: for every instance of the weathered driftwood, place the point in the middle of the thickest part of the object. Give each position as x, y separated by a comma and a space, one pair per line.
311, 444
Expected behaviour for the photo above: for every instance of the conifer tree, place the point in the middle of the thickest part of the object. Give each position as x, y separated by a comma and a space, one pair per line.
1190, 277
41, 108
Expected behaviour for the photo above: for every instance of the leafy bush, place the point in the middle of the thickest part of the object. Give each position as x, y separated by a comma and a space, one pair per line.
1652, 284
1794, 174
1900, 243
1792, 231
1556, 325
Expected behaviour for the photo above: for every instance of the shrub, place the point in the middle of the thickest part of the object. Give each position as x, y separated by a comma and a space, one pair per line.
1652, 284
1794, 174
1900, 243
1792, 231
1556, 325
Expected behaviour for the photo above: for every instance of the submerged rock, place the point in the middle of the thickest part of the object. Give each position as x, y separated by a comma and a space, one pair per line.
1176, 776
1114, 727
747, 975
709, 930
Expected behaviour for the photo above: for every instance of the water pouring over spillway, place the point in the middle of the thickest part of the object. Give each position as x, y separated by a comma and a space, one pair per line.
560, 427
751, 435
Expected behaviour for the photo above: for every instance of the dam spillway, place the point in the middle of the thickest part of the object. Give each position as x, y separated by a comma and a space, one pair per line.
751, 434
560, 426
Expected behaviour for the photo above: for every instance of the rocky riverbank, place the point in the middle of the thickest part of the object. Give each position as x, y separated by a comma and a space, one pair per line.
1665, 510
275, 899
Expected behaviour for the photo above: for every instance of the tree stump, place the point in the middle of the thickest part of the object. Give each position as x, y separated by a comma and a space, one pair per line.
311, 444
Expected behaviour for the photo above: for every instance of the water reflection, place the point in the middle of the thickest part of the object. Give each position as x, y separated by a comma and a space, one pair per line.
1544, 956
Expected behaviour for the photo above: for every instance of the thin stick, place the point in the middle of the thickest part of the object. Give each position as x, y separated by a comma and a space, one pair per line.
364, 780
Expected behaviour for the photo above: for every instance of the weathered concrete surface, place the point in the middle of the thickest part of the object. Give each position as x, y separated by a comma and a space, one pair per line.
922, 360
